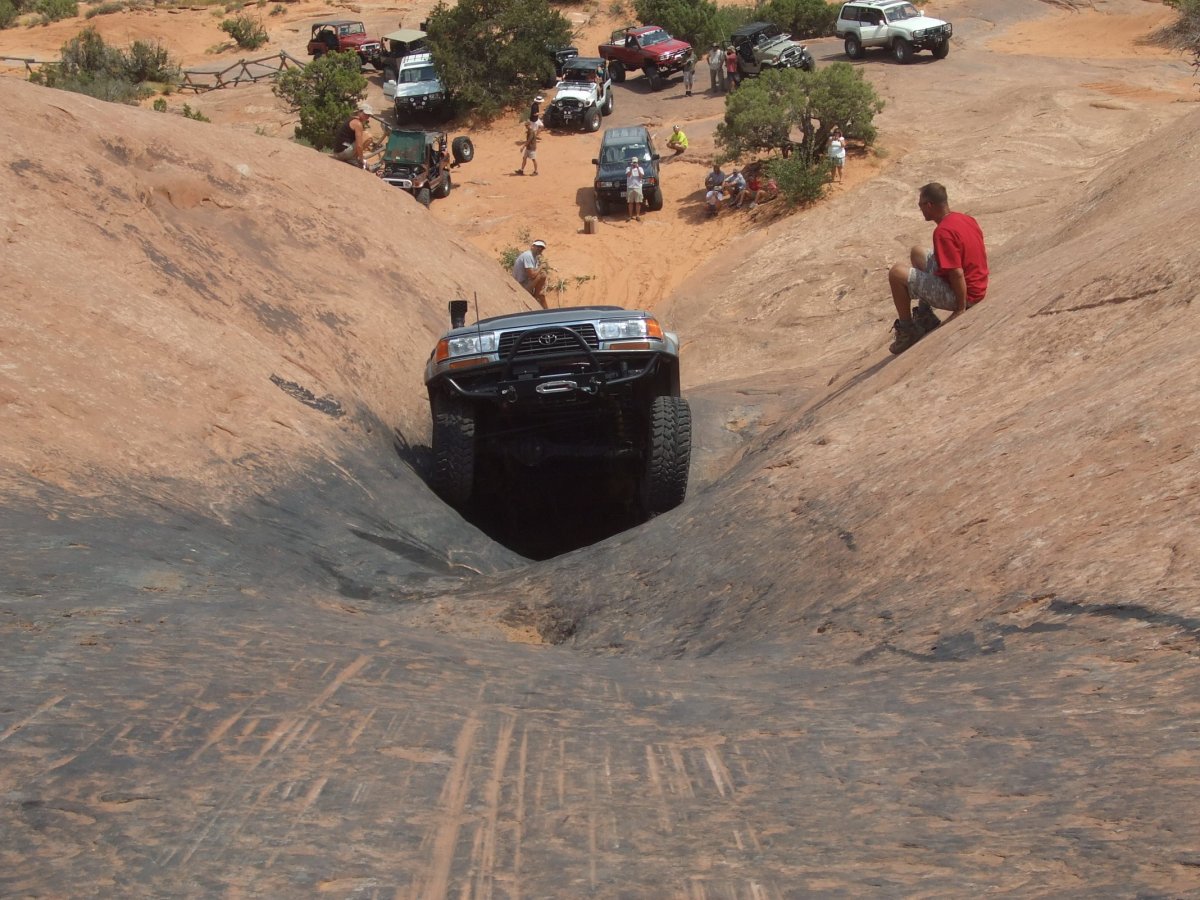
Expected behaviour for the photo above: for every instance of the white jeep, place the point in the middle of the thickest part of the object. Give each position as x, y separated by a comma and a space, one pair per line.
584, 95
895, 24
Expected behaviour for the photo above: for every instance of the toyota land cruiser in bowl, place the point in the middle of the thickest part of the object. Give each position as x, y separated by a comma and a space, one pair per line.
616, 148
596, 383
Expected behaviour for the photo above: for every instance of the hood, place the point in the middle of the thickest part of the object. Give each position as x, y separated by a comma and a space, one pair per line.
920, 23
673, 47
394, 91
576, 90
782, 51
616, 171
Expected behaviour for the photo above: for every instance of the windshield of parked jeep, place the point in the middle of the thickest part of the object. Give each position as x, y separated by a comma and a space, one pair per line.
356, 28
899, 13
417, 73
405, 147
658, 36
768, 36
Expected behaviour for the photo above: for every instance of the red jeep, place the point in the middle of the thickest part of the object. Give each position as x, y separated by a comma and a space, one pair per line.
344, 35
646, 47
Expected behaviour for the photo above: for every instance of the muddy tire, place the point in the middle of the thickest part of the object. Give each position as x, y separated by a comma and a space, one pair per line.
443, 189
854, 48
902, 50
655, 77
616, 70
941, 50
601, 207
591, 119
654, 199
462, 149
453, 477
668, 455
424, 197
606, 108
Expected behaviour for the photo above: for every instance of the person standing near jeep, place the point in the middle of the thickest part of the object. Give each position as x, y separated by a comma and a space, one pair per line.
528, 272
953, 276
634, 174
716, 69
351, 139
529, 151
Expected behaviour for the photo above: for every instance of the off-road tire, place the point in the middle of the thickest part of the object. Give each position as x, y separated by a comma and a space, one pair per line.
601, 207
443, 189
550, 118
453, 476
654, 199
462, 149
902, 50
606, 107
591, 119
616, 70
424, 197
854, 47
668, 455
809, 65
655, 77
942, 49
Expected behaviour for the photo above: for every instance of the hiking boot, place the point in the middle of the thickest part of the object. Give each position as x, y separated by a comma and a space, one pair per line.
907, 334
924, 316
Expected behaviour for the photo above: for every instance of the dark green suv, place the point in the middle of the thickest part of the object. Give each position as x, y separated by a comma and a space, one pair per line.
616, 148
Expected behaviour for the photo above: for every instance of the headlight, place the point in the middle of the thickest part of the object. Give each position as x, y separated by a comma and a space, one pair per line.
919, 33
467, 345
628, 328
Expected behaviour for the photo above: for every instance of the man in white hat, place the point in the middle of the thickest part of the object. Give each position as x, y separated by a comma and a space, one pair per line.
528, 272
351, 139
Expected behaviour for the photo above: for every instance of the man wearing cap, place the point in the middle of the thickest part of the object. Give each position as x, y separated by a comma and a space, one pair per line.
716, 68
528, 272
529, 150
678, 141
634, 175
351, 139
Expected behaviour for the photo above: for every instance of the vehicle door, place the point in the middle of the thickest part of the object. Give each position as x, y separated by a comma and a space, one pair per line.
872, 27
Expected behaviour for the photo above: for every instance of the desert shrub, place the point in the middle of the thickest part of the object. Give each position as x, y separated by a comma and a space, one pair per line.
87, 65
699, 22
148, 61
801, 18
54, 10
800, 179
278, 9
491, 54
159, 105
1184, 33
247, 32
8, 13
105, 9
324, 93
188, 113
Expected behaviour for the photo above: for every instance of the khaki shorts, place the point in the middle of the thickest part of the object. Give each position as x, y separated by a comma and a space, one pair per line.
633, 195
928, 287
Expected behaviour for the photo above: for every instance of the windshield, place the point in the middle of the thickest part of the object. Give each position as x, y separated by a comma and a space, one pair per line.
768, 36
899, 13
623, 154
418, 73
357, 28
658, 36
405, 147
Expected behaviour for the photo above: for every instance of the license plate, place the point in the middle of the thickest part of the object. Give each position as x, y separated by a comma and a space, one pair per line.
622, 193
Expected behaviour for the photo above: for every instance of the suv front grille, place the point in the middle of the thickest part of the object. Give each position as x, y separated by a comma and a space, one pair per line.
550, 341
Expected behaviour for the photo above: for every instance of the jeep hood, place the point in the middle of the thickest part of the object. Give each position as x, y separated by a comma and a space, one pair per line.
584, 93
394, 91
778, 47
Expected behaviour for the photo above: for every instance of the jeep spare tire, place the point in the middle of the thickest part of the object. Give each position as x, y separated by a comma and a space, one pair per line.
668, 455
463, 149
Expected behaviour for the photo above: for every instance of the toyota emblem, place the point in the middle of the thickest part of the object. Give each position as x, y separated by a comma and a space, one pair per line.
548, 339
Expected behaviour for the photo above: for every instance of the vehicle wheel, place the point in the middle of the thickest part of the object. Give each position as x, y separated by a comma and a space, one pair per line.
424, 197
854, 49
592, 119
941, 50
654, 199
809, 64
902, 50
463, 149
453, 450
607, 107
443, 190
654, 76
601, 206
668, 455
616, 70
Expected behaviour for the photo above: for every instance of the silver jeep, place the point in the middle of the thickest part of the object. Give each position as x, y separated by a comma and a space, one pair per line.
584, 95
894, 24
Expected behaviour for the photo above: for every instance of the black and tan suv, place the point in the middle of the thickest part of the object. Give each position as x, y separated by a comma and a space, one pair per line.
616, 148
589, 383
894, 24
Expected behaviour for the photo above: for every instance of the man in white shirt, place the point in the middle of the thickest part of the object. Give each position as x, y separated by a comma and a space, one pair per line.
634, 174
528, 272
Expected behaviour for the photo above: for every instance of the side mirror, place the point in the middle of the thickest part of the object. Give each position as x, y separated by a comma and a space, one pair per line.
595, 162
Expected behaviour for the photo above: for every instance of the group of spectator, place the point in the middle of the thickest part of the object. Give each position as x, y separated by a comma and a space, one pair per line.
740, 188
723, 72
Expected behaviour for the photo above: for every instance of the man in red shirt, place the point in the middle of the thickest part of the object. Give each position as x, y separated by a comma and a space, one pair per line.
953, 276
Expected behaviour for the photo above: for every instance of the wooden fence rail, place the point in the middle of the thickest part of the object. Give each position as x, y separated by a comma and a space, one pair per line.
244, 71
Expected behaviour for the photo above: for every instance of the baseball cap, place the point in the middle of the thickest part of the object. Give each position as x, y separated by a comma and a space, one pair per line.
541, 244
366, 109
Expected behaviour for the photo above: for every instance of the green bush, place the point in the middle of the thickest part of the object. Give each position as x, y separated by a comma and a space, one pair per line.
325, 92
54, 10
491, 54
148, 61
105, 9
249, 33
801, 18
188, 113
89, 66
8, 13
800, 179
159, 105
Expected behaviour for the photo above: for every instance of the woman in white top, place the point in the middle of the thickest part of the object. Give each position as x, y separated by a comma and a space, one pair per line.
837, 152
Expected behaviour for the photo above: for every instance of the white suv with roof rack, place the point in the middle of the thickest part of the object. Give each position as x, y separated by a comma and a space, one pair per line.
895, 24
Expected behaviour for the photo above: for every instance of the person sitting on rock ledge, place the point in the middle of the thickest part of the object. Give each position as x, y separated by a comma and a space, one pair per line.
952, 276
